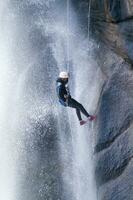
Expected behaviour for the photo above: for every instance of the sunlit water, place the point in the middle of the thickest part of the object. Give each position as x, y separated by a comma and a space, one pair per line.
8, 79
76, 143
85, 82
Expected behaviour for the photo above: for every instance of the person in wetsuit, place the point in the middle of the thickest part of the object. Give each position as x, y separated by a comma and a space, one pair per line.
66, 100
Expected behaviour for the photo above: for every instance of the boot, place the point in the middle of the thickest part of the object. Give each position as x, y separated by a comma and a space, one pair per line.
82, 122
91, 117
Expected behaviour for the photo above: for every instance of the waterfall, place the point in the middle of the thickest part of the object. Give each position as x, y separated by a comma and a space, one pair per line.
89, 17
83, 137
68, 32
8, 78
34, 48
86, 79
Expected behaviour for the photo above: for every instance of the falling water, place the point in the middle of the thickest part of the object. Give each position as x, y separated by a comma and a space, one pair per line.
75, 142
68, 31
8, 80
89, 17
79, 176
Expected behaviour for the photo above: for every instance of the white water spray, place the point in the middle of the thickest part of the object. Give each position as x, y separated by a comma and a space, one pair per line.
7, 107
68, 31
79, 176
89, 17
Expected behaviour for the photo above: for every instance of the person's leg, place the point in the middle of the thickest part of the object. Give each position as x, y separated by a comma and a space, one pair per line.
82, 109
74, 104
78, 114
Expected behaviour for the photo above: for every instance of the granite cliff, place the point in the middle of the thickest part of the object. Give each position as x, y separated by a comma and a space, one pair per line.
112, 28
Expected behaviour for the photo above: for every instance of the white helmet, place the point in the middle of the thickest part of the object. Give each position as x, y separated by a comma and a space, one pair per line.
63, 75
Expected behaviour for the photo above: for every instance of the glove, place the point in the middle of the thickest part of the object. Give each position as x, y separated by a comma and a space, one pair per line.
66, 96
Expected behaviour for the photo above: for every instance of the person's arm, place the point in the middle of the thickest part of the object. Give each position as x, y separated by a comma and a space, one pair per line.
68, 92
60, 91
65, 103
61, 95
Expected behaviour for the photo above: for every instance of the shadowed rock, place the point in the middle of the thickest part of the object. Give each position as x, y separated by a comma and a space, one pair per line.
112, 28
119, 189
112, 23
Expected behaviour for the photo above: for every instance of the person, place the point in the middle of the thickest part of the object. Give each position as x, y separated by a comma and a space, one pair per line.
66, 100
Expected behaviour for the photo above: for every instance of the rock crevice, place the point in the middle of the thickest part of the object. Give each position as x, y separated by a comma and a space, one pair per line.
101, 146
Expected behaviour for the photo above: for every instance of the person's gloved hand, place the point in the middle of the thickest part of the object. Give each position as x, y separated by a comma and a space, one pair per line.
66, 96
66, 103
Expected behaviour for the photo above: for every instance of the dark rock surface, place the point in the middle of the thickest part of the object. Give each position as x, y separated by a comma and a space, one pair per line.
114, 144
112, 161
116, 108
112, 23
112, 28
119, 189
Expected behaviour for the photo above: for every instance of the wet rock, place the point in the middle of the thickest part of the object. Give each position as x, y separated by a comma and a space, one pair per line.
119, 189
112, 23
116, 108
111, 26
111, 162
114, 143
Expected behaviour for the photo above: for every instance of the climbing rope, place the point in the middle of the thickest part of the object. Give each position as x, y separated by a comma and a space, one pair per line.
68, 33
89, 16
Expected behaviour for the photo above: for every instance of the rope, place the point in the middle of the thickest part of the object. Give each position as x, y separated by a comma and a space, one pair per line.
89, 15
68, 32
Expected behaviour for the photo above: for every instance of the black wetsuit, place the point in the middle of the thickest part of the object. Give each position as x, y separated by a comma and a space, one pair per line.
62, 89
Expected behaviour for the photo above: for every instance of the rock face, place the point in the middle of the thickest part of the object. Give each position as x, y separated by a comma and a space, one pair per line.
114, 149
112, 28
112, 23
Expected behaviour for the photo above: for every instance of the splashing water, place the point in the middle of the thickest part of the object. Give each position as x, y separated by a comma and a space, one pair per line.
76, 143
86, 90
7, 107
89, 17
